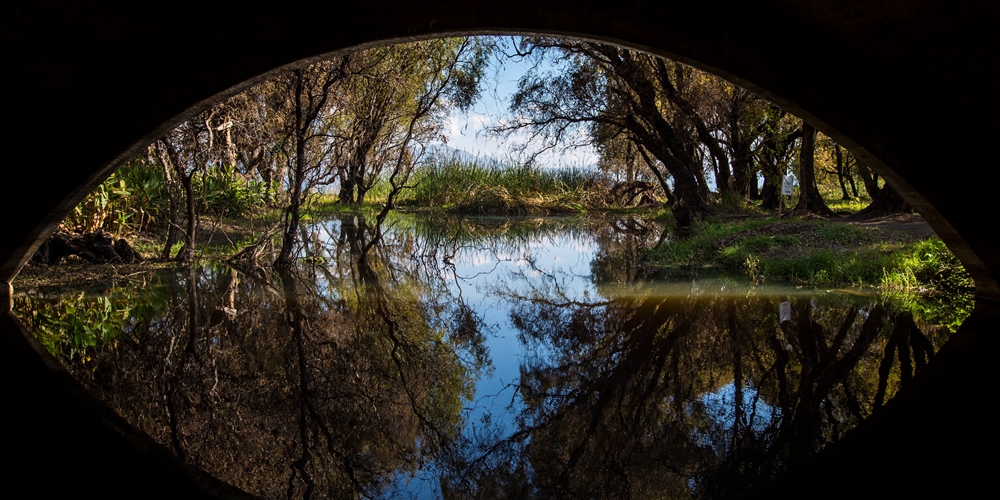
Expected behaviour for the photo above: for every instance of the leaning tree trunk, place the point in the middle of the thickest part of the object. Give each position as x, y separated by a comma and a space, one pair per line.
869, 179
809, 198
887, 202
659, 175
841, 173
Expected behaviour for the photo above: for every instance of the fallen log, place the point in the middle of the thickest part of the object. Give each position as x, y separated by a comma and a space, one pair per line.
96, 248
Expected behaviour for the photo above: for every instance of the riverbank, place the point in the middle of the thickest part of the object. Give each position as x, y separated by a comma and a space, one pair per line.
898, 254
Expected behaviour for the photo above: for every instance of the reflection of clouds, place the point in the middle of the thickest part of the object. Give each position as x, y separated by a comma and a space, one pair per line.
480, 259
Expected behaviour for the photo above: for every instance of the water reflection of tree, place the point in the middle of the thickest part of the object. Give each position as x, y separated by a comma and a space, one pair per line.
622, 244
299, 388
330, 380
647, 396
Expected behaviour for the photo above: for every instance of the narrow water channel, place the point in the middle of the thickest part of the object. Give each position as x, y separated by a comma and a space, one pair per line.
489, 358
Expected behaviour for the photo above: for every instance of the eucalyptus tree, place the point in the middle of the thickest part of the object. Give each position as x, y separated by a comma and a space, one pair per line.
778, 133
397, 105
809, 198
610, 93
308, 95
367, 117
182, 153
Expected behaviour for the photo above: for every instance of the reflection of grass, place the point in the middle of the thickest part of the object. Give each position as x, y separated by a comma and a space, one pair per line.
74, 324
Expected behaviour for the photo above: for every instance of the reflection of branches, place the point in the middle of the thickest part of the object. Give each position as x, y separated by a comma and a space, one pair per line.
623, 399
905, 335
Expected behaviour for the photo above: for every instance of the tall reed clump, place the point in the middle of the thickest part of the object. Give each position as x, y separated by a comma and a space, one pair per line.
478, 186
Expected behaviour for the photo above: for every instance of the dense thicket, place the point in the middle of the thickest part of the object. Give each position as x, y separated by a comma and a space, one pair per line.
359, 126
667, 122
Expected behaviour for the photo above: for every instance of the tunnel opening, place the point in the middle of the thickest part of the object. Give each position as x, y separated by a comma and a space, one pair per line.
743, 411
893, 52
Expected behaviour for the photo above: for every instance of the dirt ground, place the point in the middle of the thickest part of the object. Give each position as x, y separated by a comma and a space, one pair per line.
912, 224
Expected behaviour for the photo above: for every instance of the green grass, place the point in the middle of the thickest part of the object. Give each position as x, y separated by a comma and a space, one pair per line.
503, 188
816, 253
328, 203
847, 206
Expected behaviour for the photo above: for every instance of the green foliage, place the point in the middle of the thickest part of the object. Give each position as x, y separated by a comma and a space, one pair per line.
500, 187
846, 206
817, 253
700, 247
135, 198
227, 193
73, 325
129, 200
927, 263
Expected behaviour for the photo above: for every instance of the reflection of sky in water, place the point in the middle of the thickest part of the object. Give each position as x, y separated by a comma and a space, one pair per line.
484, 280
497, 275
721, 408
565, 258
491, 280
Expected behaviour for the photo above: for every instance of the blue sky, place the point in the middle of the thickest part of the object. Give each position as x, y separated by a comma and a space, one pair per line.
466, 131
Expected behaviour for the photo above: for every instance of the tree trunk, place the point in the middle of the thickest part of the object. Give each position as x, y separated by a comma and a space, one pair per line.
752, 187
841, 173
172, 222
742, 171
175, 172
699, 175
291, 222
870, 179
809, 198
744, 180
887, 202
658, 175
187, 251
346, 196
771, 192
854, 187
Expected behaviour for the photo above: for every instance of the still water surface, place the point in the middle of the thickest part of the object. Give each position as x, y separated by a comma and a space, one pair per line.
486, 358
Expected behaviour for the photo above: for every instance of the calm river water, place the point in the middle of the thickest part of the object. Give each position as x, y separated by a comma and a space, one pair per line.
489, 358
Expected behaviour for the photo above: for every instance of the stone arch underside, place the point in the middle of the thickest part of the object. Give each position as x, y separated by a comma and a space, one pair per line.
908, 86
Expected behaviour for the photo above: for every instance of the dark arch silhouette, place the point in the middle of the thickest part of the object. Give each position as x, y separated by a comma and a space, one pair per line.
907, 86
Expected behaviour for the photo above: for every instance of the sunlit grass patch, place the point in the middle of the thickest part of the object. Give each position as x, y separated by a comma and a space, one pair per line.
815, 253
848, 206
